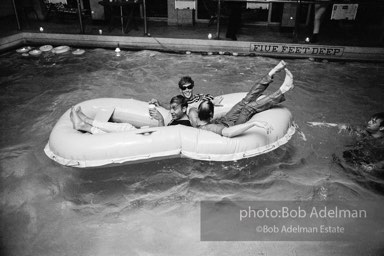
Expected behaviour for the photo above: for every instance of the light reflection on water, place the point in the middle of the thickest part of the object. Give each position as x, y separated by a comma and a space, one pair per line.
153, 208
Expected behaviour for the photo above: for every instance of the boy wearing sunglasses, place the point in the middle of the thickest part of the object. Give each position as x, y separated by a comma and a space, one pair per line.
186, 85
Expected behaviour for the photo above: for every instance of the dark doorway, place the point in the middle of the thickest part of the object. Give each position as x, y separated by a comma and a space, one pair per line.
157, 8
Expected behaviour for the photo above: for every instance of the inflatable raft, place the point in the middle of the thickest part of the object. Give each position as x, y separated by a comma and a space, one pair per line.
74, 148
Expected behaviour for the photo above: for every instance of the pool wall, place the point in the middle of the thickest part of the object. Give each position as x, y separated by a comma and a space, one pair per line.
280, 50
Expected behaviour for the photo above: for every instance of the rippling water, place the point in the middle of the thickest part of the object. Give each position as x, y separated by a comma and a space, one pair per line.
153, 208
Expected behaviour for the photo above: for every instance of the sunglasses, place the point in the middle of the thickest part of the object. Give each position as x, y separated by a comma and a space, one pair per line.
189, 87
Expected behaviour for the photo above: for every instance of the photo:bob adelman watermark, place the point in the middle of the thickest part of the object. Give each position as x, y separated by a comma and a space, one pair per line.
291, 221
299, 212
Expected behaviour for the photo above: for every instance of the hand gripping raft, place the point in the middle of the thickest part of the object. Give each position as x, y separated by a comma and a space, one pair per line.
70, 147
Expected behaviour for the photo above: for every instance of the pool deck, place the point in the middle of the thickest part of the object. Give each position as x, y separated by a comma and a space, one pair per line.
188, 39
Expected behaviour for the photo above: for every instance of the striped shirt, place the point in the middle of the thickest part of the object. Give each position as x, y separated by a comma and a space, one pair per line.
200, 97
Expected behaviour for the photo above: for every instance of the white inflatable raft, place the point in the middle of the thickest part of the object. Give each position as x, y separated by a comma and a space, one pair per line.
73, 148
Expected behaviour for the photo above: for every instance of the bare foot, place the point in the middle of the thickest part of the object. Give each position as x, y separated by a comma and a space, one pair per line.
288, 82
82, 116
262, 124
277, 68
77, 123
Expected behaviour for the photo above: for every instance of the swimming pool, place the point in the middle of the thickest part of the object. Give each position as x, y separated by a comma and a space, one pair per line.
153, 208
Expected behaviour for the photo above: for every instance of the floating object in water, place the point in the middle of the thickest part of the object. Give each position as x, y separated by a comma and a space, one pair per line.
117, 51
78, 52
46, 48
221, 53
210, 53
322, 124
35, 52
188, 52
61, 49
73, 148
235, 54
24, 49
302, 135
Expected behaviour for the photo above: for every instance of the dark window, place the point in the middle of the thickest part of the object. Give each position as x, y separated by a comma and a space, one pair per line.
157, 8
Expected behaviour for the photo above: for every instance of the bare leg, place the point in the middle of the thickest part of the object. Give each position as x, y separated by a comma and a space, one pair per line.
319, 11
78, 123
277, 68
318, 17
288, 82
82, 116
103, 127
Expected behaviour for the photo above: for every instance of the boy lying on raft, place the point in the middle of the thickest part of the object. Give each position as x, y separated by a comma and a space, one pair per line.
81, 122
232, 124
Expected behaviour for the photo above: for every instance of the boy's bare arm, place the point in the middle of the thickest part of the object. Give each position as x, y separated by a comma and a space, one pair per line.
193, 117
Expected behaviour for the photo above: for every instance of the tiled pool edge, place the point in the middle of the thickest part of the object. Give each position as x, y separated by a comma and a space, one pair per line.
278, 50
11, 41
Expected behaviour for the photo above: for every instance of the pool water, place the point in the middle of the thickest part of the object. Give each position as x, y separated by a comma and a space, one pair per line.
153, 208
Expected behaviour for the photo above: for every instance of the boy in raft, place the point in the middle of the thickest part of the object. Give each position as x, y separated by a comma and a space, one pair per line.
178, 110
186, 85
81, 122
234, 122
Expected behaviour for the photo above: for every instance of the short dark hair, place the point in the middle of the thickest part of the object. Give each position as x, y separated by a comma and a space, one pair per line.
379, 116
180, 100
186, 80
205, 110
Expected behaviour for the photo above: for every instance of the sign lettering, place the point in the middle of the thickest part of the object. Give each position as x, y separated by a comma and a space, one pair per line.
297, 49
